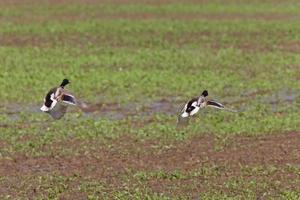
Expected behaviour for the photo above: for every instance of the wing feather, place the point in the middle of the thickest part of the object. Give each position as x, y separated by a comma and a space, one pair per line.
215, 104
69, 99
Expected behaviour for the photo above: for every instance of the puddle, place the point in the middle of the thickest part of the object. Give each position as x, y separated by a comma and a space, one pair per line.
287, 97
116, 111
170, 106
163, 106
283, 96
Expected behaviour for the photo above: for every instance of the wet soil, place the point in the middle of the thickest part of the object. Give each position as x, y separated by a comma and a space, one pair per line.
167, 106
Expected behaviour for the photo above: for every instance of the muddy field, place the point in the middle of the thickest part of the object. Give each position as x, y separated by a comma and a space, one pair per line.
132, 66
185, 167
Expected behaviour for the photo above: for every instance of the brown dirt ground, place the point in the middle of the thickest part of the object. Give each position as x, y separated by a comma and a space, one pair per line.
200, 38
291, 46
72, 17
127, 155
245, 42
271, 149
151, 2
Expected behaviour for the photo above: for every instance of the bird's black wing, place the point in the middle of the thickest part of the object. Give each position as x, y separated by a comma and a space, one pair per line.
215, 104
69, 99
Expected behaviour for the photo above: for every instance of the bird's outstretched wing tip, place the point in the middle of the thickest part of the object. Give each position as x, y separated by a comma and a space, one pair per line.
215, 104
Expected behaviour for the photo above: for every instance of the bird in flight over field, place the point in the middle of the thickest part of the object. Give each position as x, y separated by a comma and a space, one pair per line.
195, 104
57, 101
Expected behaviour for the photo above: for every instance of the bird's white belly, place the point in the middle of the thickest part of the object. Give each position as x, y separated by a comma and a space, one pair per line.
53, 104
185, 114
44, 108
194, 111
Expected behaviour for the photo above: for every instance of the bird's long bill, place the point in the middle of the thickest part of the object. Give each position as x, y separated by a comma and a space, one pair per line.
69, 99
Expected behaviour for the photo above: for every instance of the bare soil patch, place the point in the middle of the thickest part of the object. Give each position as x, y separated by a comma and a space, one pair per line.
23, 40
172, 16
212, 40
291, 46
127, 155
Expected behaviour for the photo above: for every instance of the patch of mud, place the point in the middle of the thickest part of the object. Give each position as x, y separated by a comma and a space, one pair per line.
127, 156
293, 47
247, 42
113, 111
24, 40
244, 41
178, 16
269, 97
142, 15
14, 111
127, 152
254, 93
168, 106
117, 2
106, 110
284, 96
120, 111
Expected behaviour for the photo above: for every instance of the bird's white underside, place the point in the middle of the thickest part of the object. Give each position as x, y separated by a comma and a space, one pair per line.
193, 112
57, 109
44, 108
185, 114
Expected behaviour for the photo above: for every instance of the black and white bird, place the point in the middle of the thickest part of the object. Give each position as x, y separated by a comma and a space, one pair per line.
57, 101
194, 105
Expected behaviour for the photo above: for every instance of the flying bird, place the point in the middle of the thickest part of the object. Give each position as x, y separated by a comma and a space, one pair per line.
57, 101
195, 104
